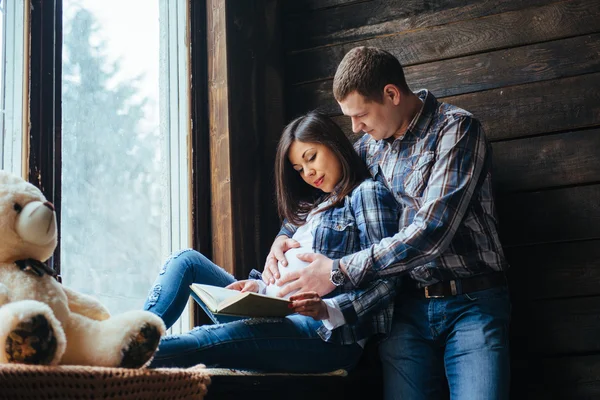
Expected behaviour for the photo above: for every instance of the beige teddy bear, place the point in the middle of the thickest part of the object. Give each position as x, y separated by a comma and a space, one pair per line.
43, 322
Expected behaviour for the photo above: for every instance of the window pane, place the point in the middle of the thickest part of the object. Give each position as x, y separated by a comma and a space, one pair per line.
115, 228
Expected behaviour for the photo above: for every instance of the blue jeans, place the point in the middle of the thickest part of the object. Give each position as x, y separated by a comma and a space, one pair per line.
464, 337
288, 344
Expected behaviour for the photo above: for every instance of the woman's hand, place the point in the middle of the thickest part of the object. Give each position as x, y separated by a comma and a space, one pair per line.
309, 304
248, 285
280, 245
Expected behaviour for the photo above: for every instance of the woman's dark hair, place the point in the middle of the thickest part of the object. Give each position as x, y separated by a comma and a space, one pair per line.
296, 198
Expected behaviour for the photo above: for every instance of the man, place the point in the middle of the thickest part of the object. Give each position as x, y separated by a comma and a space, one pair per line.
451, 317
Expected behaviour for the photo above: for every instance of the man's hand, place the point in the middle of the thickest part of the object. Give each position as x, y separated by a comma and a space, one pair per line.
313, 278
280, 245
248, 285
309, 304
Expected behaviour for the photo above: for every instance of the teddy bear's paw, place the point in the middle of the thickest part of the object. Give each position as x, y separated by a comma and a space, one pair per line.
31, 342
141, 348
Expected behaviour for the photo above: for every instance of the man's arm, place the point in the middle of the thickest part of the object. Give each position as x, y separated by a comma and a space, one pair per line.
455, 176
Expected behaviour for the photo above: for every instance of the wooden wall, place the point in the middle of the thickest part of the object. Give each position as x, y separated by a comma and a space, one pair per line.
530, 71
245, 118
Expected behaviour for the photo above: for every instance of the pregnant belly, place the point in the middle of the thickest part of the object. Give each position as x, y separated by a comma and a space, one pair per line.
294, 264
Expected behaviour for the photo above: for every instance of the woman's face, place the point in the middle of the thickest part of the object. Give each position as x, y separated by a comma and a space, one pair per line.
316, 164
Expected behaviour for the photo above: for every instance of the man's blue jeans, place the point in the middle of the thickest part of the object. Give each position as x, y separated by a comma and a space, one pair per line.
464, 337
288, 344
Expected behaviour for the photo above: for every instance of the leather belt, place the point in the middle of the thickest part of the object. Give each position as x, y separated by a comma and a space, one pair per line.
462, 286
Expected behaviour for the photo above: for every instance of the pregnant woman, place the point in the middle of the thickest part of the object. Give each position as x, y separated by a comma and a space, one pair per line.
330, 206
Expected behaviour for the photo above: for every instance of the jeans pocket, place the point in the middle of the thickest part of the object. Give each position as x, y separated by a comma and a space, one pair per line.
492, 293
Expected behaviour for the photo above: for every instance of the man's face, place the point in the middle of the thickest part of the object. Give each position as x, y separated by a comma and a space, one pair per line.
316, 164
380, 120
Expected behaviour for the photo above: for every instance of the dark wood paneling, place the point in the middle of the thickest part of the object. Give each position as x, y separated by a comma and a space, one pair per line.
560, 326
536, 108
509, 67
557, 215
555, 270
246, 117
295, 7
359, 20
570, 378
546, 161
256, 119
517, 28
525, 110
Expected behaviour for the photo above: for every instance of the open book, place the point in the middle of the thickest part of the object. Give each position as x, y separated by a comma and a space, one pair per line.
232, 302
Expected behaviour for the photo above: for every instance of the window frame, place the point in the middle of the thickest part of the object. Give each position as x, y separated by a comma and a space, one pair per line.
13, 106
44, 139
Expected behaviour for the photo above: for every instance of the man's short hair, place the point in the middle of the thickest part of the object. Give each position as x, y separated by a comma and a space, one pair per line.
367, 70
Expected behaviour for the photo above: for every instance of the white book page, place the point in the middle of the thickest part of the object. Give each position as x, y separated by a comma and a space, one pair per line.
218, 294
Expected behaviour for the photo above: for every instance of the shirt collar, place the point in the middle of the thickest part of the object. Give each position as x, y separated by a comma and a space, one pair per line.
421, 121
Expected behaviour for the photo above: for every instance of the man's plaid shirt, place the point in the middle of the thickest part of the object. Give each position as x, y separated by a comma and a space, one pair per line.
440, 172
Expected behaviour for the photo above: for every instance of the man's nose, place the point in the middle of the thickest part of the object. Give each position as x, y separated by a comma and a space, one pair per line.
356, 126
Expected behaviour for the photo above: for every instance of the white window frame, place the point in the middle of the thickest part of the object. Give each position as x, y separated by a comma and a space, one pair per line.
175, 117
14, 119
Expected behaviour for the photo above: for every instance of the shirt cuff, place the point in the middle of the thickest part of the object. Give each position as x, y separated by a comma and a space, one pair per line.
262, 287
336, 318
355, 267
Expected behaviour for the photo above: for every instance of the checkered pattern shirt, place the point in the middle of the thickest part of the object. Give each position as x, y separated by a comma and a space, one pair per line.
440, 172
369, 214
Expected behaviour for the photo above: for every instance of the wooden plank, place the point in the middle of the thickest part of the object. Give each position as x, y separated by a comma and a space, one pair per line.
255, 123
359, 20
560, 327
542, 107
510, 29
557, 270
532, 109
571, 377
557, 215
299, 8
219, 142
547, 161
508, 67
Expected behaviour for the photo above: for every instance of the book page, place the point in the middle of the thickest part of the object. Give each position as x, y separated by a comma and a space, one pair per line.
216, 294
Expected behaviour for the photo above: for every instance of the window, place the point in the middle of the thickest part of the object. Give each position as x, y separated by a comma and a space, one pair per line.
12, 84
125, 123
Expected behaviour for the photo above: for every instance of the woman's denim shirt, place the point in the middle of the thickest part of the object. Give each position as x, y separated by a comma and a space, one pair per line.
368, 214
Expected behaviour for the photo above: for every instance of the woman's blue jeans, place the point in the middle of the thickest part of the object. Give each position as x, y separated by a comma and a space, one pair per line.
288, 344
464, 337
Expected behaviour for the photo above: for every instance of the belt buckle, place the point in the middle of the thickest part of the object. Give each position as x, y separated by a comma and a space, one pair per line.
428, 296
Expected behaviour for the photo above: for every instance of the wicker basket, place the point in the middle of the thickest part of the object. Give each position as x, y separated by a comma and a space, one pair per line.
24, 382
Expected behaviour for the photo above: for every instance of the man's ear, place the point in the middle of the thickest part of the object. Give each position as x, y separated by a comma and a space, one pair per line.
393, 93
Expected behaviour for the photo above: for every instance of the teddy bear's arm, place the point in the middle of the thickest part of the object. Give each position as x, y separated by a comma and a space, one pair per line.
86, 305
4, 295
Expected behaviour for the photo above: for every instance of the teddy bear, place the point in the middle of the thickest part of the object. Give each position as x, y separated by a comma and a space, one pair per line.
43, 322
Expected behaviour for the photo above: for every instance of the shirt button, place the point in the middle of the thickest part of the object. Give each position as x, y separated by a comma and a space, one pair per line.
394, 151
